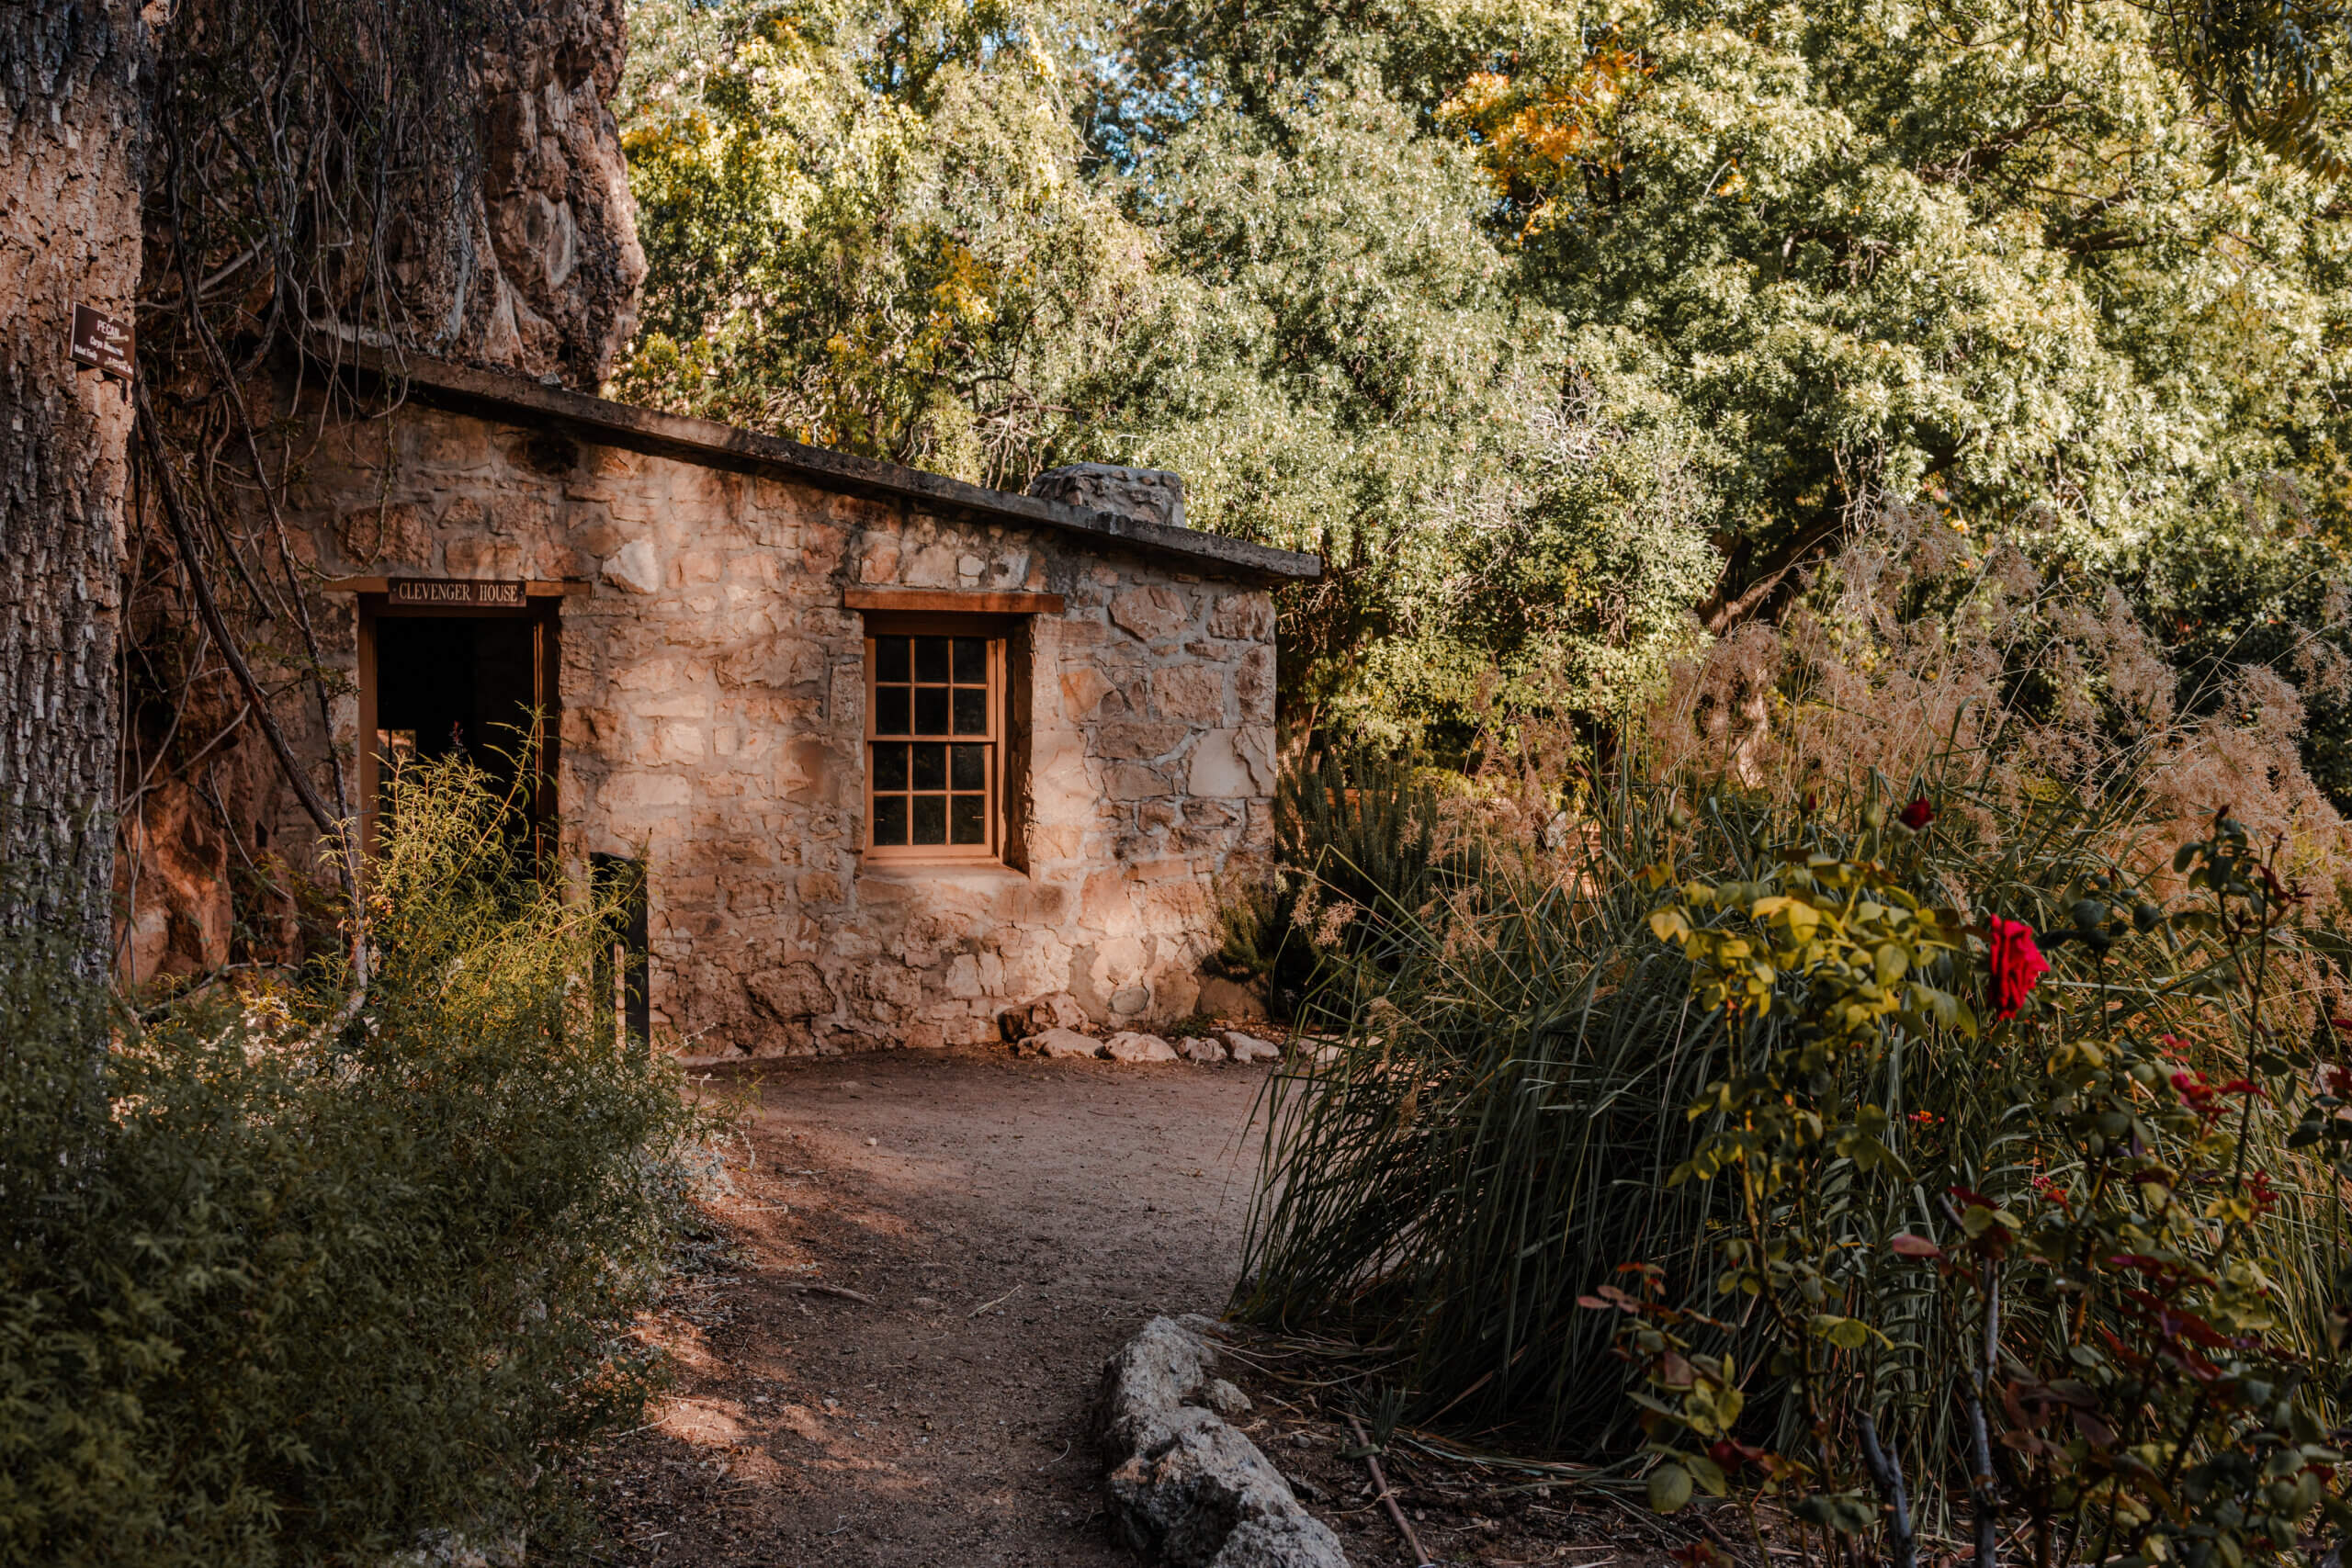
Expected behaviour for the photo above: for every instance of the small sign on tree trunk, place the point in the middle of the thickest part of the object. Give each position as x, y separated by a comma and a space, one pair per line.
101, 344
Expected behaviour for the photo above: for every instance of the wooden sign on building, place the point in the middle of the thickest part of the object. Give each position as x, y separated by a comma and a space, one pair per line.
456, 593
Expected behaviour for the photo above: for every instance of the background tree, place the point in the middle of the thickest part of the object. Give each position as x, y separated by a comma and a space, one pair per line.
868, 227
1336, 361
1552, 329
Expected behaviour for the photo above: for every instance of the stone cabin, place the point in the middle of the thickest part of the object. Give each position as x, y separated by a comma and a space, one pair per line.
896, 753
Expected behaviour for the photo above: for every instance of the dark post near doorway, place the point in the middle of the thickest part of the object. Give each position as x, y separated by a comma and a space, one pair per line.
623, 879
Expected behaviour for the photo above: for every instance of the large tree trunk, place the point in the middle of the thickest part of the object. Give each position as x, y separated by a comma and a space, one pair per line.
70, 146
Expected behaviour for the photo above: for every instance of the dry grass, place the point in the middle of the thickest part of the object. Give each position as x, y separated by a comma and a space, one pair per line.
1918, 654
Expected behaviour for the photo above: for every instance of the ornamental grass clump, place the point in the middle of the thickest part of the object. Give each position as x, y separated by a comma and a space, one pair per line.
302, 1273
1499, 1129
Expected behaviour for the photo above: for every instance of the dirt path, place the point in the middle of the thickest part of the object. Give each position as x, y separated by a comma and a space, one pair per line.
1012, 1222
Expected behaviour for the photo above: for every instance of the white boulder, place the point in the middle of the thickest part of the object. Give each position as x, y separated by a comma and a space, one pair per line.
1250, 1048
1131, 1046
1062, 1043
1195, 1048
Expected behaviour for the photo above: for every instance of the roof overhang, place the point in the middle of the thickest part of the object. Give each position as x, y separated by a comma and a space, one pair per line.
514, 400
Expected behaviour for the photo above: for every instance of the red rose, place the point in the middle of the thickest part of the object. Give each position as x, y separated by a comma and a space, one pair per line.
2017, 965
1917, 815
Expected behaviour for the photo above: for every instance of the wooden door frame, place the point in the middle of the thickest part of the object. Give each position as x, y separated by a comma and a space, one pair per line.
547, 695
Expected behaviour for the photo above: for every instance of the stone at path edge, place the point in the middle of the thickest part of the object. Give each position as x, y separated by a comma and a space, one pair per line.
1189, 1489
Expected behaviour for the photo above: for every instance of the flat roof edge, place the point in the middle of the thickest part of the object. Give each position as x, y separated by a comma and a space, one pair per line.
464, 390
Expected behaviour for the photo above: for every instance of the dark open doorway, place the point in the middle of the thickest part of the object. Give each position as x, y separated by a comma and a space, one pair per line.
438, 684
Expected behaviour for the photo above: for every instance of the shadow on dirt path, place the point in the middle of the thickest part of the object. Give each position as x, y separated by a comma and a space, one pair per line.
1012, 1222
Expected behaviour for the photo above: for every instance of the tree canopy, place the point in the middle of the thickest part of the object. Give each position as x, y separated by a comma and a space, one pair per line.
1568, 335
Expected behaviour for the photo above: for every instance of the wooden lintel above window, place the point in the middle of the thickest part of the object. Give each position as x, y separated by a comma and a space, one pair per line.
952, 601
533, 589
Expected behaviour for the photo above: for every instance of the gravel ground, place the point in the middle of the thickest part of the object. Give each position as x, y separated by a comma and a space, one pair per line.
1012, 1222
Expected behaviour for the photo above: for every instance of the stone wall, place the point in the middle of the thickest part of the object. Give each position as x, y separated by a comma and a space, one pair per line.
713, 692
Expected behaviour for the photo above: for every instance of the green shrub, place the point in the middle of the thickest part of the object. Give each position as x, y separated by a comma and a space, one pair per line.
317, 1278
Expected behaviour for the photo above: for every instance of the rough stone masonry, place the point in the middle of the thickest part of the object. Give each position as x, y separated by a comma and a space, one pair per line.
713, 594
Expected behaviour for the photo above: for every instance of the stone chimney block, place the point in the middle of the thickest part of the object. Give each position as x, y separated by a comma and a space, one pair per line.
1148, 496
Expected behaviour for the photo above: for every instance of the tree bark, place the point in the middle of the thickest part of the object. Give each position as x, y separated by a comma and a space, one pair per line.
1747, 587
70, 149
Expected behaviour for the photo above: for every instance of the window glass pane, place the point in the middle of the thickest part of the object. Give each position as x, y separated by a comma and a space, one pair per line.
889, 819
891, 659
889, 767
931, 659
890, 709
971, 710
931, 710
971, 767
969, 819
931, 819
971, 661
931, 767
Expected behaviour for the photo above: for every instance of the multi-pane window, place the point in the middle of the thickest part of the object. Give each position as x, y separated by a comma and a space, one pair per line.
933, 740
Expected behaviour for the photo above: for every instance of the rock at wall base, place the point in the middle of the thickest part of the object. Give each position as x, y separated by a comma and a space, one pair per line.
1250, 1048
1059, 1011
1194, 1048
1062, 1044
1131, 1046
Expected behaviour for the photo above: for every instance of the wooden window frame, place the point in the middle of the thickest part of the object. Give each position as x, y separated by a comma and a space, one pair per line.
998, 632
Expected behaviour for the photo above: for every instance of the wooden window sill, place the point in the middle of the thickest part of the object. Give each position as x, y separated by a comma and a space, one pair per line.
929, 868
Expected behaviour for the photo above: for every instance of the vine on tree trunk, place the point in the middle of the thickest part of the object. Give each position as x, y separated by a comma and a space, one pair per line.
306, 156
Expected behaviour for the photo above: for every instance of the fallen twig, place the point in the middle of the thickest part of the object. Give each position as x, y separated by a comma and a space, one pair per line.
999, 1301
1388, 1498
1549, 1472
810, 1287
